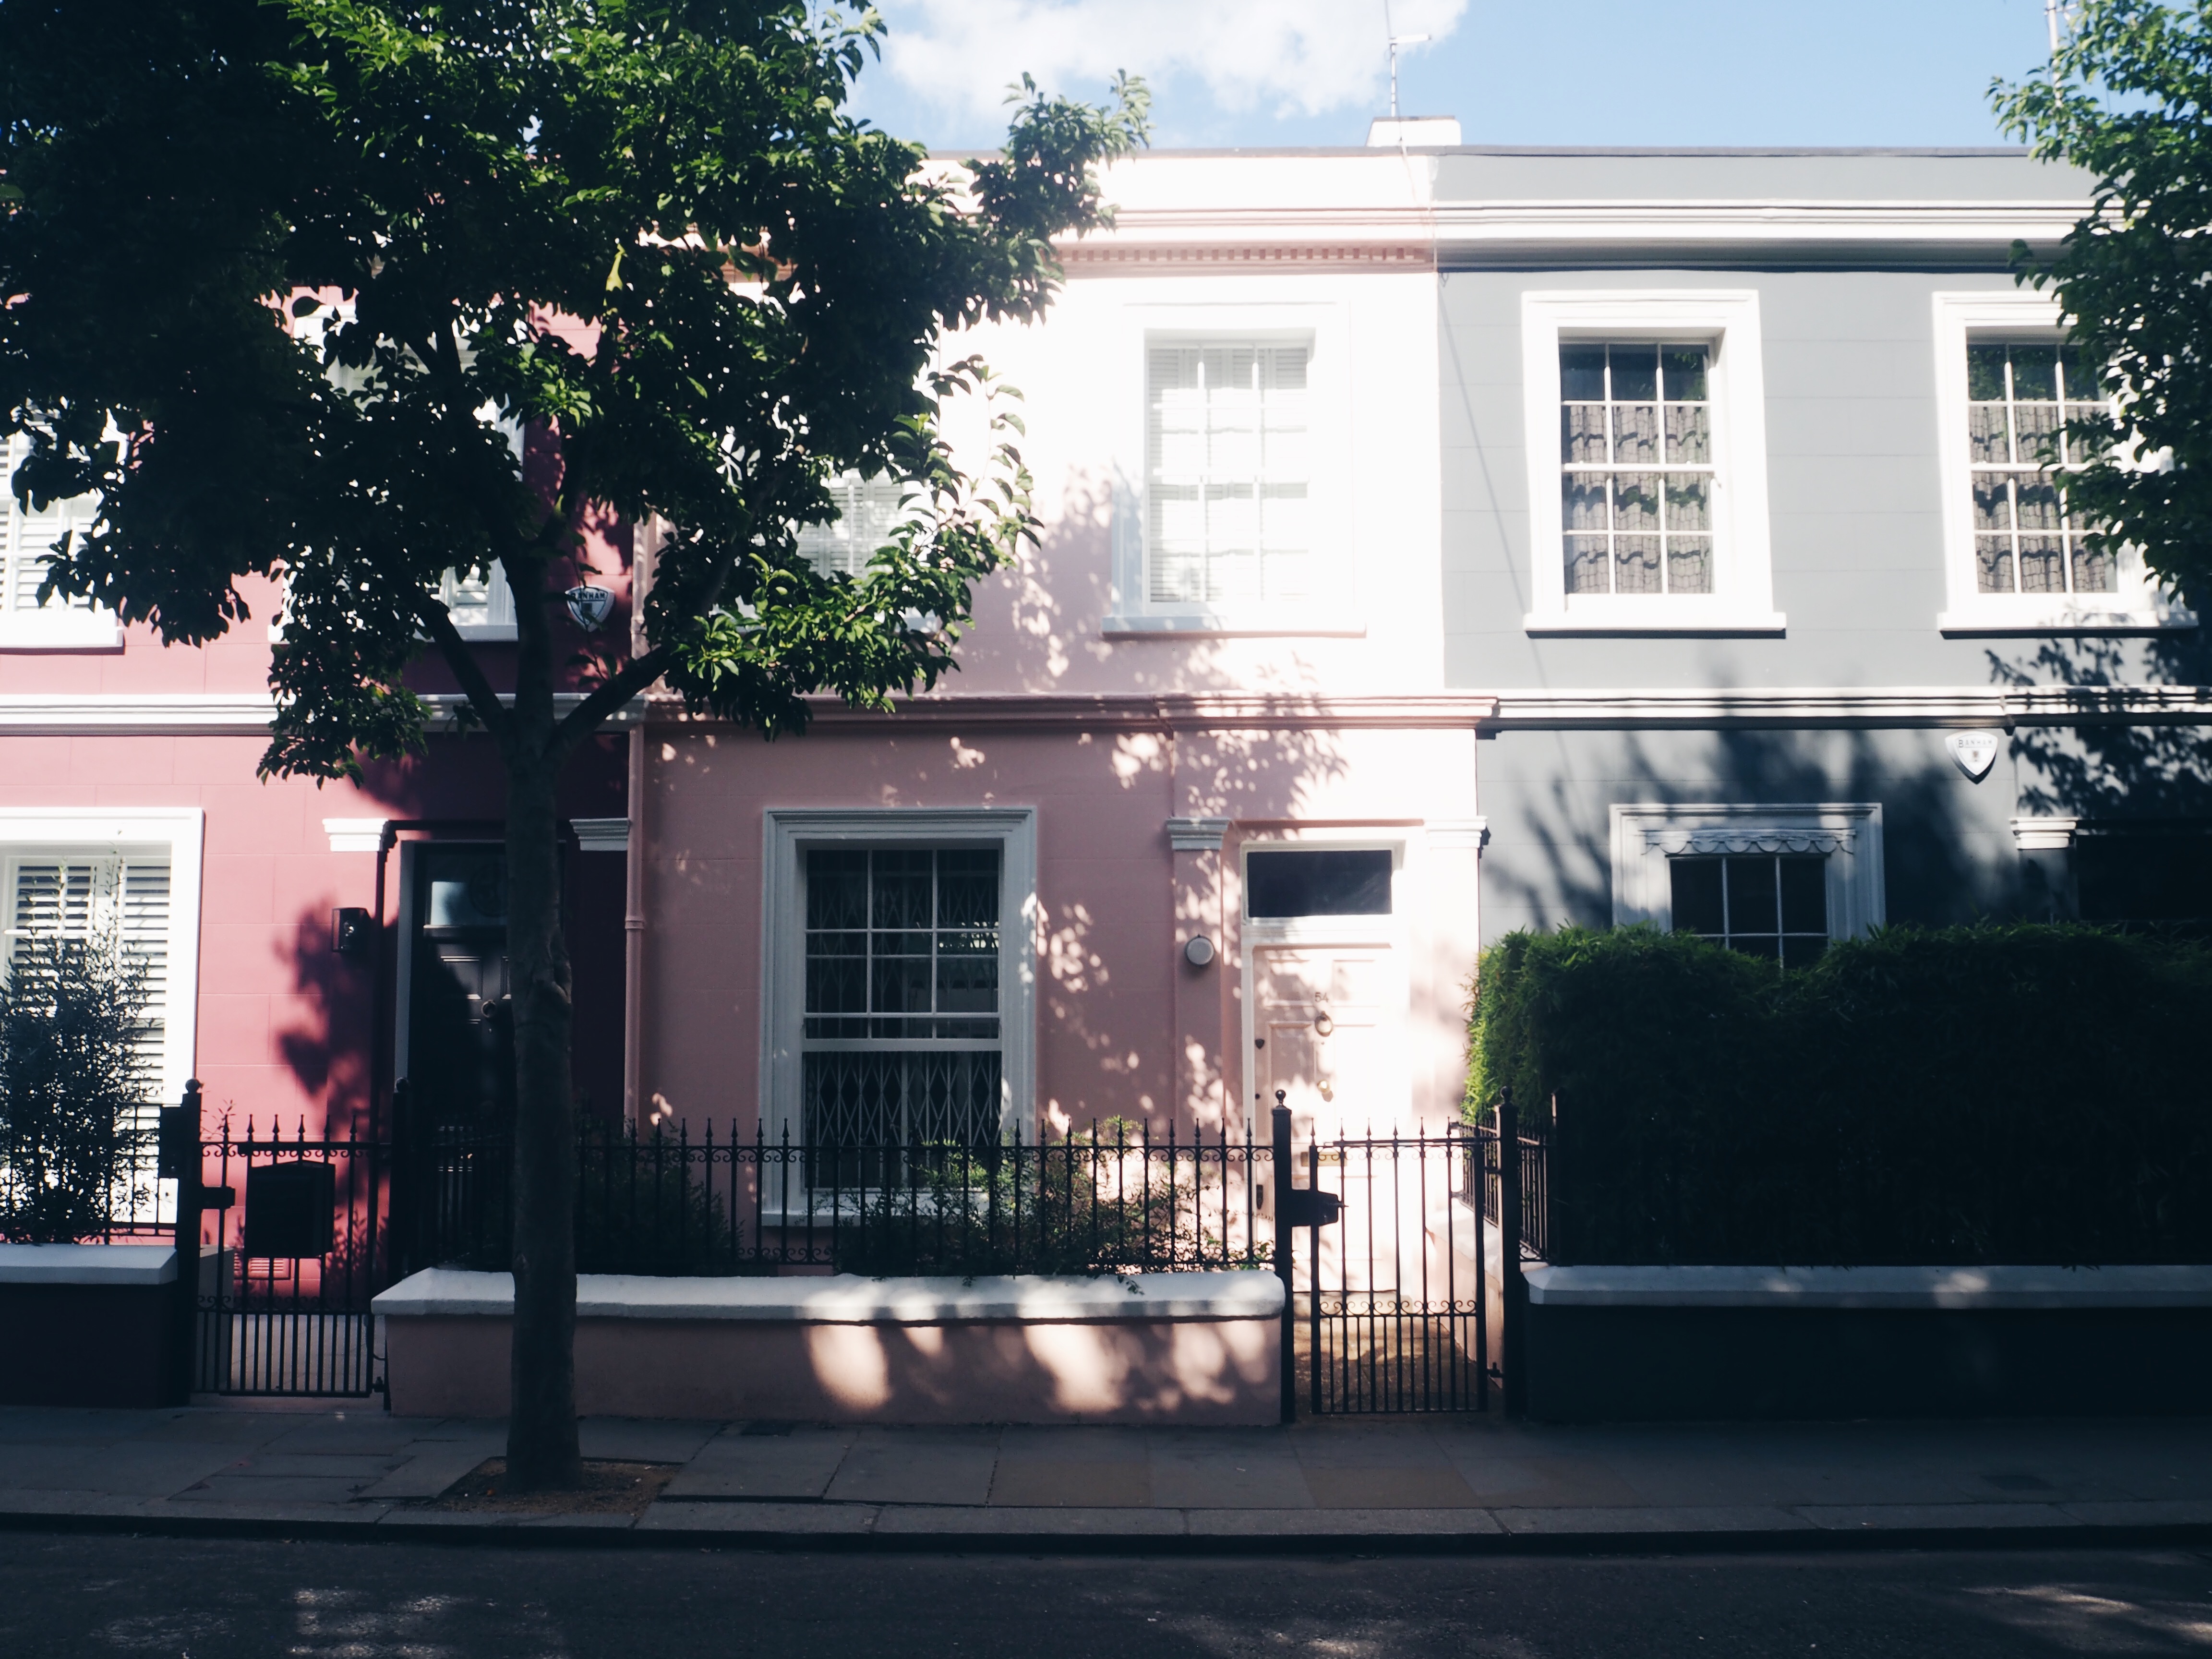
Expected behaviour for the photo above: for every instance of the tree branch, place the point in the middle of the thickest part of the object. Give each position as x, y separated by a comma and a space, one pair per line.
438, 623
610, 695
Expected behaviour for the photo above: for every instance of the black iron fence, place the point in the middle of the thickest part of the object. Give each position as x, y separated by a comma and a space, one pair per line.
1478, 1183
702, 1198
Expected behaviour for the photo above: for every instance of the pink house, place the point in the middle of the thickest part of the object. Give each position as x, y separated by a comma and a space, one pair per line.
1196, 823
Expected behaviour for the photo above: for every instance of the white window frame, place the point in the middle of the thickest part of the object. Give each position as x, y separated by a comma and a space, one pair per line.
1333, 607
1646, 834
1726, 321
790, 834
499, 610
2137, 605
79, 627
180, 830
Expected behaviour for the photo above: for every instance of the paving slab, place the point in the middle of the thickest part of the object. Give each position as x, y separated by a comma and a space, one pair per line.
917, 1466
258, 1489
2144, 1512
73, 1426
1227, 1468
353, 1466
364, 1430
1088, 1483
1334, 1523
435, 1467
828, 1519
1002, 1521
738, 1465
1915, 1517
1413, 1487
24, 1501
1561, 1521
267, 1513
196, 1425
142, 1471
634, 1440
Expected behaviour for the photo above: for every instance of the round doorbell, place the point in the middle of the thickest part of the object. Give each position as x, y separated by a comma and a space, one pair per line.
1198, 952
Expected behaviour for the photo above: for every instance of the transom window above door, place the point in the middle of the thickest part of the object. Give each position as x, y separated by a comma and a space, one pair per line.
2025, 539
1772, 905
1636, 450
1227, 465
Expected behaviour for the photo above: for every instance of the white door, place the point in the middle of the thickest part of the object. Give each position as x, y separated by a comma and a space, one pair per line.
1327, 1029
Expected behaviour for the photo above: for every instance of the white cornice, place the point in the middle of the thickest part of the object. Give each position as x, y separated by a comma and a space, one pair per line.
195, 713
191, 713
1891, 706
1418, 235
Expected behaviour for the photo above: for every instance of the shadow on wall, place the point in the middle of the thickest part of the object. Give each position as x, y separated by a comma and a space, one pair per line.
2119, 771
326, 1043
1562, 871
1037, 632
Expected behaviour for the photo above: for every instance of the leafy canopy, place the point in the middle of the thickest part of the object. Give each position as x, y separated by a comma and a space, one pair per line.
283, 276
2129, 100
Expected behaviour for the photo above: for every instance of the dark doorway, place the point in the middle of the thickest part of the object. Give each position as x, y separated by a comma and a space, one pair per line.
2149, 872
459, 1063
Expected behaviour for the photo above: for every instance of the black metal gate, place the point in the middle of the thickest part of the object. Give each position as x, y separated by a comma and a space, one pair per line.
299, 1250
1388, 1295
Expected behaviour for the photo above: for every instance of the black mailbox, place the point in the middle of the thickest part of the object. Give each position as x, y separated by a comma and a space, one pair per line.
288, 1209
178, 1147
1304, 1206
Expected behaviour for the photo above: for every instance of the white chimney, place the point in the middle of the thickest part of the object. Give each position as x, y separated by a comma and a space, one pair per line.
1413, 132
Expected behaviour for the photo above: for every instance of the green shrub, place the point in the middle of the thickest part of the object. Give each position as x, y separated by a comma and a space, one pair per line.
2019, 1093
71, 1083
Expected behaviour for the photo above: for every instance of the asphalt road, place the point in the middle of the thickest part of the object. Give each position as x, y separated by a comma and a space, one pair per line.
102, 1595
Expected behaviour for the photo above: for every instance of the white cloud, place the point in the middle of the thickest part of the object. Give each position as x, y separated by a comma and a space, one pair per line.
1289, 56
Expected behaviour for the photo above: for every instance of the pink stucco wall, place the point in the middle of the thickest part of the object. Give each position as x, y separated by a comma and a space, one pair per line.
1136, 1371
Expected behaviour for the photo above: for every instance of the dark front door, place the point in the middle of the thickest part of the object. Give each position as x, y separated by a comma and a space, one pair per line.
459, 1063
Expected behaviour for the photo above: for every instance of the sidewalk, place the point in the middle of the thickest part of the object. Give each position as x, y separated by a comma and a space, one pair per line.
1455, 1484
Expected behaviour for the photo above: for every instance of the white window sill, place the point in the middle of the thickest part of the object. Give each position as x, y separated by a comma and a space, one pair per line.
2041, 615
486, 633
1659, 613
1218, 624
61, 630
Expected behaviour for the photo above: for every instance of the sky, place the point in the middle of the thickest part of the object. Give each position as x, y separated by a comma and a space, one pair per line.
1276, 72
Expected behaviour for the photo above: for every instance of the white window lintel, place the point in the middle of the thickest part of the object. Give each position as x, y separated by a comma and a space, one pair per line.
1646, 834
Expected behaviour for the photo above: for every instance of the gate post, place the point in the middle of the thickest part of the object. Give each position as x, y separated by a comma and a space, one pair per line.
181, 1153
1513, 1289
1286, 1259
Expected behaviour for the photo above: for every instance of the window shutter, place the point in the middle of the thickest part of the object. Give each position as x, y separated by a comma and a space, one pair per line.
483, 601
126, 897
27, 537
868, 511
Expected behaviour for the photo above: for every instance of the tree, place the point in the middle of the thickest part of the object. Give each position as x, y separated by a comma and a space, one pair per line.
274, 274
72, 1079
2130, 99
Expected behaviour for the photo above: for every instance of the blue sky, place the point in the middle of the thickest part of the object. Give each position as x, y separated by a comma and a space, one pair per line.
1268, 72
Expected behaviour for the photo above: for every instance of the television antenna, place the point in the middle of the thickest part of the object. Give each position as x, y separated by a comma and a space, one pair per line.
1397, 41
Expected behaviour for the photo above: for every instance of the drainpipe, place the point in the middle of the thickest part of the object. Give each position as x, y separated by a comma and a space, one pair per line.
645, 546
634, 935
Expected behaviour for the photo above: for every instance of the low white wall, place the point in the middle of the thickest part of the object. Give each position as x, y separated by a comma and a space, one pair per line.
1149, 1347
87, 1264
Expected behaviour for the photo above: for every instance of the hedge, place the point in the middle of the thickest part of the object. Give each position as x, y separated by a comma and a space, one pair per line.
1973, 1095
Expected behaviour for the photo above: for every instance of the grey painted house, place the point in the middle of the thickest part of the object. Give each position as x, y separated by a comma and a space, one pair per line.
1745, 525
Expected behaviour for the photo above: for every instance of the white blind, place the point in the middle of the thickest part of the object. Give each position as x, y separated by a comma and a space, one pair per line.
1227, 465
868, 509
25, 537
120, 895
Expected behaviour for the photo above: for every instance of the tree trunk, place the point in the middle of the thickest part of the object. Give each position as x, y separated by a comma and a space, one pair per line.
541, 1438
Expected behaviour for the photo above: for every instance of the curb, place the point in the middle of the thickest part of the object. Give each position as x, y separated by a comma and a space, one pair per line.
579, 1533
